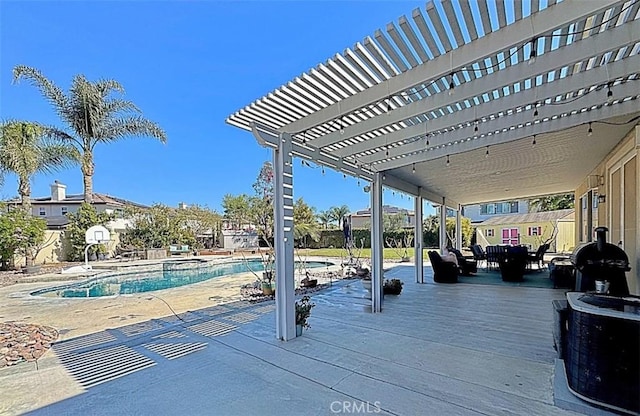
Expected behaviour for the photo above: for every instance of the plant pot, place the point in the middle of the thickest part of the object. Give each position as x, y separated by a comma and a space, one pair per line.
391, 291
309, 282
298, 330
267, 289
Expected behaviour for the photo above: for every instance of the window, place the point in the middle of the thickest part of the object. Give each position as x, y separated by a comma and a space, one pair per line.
490, 232
499, 208
514, 207
42, 211
534, 231
63, 210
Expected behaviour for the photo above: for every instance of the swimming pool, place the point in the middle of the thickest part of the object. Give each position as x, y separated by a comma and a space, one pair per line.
173, 274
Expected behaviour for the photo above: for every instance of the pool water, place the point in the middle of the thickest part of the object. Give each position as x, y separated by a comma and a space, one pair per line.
174, 274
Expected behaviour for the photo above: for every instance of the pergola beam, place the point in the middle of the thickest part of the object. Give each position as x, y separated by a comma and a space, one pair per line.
557, 124
574, 53
515, 34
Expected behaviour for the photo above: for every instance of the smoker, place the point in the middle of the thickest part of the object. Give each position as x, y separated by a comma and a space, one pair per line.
601, 261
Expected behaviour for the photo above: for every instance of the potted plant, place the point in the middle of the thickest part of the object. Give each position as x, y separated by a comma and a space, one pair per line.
267, 283
303, 311
392, 287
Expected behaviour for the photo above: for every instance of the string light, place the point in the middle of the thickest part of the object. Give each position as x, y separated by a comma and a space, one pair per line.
304, 137
358, 182
386, 153
384, 176
323, 171
344, 176
486, 154
341, 126
413, 168
451, 85
609, 94
590, 131
476, 126
532, 55
533, 144
535, 113
448, 162
427, 137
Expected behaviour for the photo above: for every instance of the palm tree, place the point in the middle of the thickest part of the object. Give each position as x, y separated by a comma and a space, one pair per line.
337, 213
25, 151
325, 218
92, 115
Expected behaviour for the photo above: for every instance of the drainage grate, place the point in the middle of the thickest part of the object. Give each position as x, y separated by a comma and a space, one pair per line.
264, 309
140, 328
98, 366
242, 317
212, 328
172, 351
82, 342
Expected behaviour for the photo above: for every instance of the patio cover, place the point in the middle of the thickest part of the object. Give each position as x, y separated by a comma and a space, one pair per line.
465, 102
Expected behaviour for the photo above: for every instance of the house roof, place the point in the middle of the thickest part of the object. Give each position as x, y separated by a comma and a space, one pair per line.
531, 217
387, 209
98, 199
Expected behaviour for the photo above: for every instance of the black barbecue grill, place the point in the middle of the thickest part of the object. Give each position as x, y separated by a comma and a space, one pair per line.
600, 260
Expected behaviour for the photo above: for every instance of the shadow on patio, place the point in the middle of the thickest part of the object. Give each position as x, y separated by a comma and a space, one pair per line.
436, 349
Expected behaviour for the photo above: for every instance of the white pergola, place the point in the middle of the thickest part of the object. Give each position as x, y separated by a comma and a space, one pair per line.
460, 103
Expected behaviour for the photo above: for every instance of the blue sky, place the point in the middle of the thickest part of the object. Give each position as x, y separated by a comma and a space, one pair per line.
187, 65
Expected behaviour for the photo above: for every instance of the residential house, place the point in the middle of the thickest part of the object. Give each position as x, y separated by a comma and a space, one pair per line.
532, 229
362, 218
478, 213
239, 239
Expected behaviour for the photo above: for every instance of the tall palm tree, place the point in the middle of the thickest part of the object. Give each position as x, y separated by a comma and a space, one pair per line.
25, 151
338, 213
325, 218
92, 115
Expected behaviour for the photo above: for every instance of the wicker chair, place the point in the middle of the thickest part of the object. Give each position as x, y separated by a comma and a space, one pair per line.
443, 271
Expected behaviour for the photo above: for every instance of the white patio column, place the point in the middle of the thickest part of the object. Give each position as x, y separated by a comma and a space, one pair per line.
376, 244
443, 225
417, 238
459, 228
283, 239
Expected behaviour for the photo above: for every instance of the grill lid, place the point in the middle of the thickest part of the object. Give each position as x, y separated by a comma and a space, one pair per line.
600, 254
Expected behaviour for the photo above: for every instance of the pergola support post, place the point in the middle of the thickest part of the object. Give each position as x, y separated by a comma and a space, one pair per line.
418, 239
376, 244
459, 228
283, 239
443, 225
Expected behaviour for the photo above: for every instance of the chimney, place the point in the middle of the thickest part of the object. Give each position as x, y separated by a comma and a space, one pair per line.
58, 191
182, 205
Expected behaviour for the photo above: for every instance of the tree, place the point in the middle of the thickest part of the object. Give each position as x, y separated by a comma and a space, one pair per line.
20, 233
325, 219
552, 203
156, 227
304, 222
261, 205
92, 115
25, 151
337, 213
393, 222
201, 221
236, 209
79, 223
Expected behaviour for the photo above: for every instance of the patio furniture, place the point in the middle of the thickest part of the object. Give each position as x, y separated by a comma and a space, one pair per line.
494, 253
478, 253
443, 271
562, 273
466, 265
537, 257
513, 263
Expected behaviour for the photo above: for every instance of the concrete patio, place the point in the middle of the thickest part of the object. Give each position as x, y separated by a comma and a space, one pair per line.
436, 349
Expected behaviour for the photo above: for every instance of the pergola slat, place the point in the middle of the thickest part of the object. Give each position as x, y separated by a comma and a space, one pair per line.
438, 26
391, 54
453, 22
413, 39
400, 43
420, 22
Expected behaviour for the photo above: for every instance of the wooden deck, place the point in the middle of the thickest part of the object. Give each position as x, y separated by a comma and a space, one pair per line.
462, 349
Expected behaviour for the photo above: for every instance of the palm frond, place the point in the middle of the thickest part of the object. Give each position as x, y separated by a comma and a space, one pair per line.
106, 86
52, 92
54, 157
120, 128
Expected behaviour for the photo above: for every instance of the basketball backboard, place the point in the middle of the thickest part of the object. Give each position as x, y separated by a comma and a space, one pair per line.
97, 234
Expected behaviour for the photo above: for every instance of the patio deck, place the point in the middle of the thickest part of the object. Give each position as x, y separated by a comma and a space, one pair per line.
436, 349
